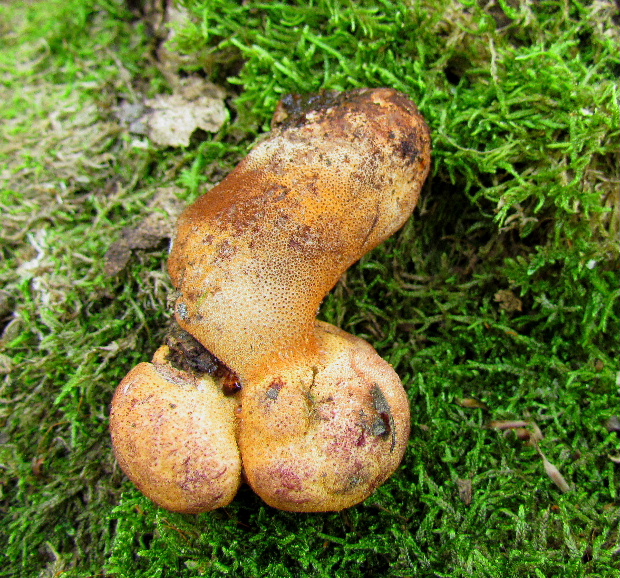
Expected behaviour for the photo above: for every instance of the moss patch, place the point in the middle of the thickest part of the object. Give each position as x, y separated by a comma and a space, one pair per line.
503, 288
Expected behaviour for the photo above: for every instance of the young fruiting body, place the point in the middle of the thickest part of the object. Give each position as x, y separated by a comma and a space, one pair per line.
320, 419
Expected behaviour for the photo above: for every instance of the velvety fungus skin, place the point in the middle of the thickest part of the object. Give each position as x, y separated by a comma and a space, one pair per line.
320, 420
174, 436
323, 437
254, 257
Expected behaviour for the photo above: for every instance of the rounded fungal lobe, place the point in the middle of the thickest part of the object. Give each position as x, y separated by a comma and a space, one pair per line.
174, 436
323, 437
254, 257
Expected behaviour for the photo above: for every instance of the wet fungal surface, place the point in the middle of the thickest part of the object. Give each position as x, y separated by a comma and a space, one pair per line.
318, 419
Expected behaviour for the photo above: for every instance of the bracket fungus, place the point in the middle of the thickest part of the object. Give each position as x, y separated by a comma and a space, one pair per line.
307, 414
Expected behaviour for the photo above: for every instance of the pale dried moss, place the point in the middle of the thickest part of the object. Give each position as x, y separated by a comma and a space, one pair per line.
67, 185
49, 152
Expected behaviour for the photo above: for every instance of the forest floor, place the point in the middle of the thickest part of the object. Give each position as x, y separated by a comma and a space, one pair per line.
498, 302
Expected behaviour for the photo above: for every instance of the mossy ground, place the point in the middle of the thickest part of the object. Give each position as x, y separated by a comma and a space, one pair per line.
523, 102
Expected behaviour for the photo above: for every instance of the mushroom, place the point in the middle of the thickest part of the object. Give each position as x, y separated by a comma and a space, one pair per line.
320, 420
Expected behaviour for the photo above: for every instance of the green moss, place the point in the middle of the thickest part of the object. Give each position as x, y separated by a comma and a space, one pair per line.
522, 100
